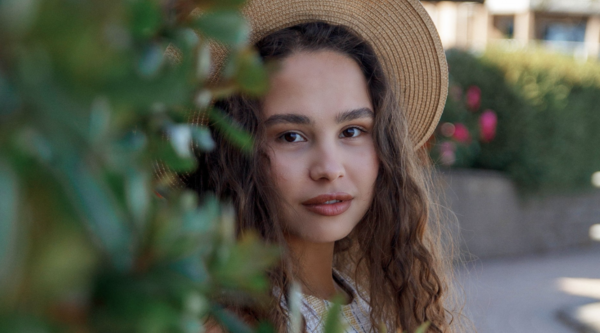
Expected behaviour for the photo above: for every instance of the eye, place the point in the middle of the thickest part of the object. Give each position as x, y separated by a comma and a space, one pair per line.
351, 132
291, 137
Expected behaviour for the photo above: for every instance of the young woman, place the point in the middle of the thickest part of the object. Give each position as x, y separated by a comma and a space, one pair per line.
338, 178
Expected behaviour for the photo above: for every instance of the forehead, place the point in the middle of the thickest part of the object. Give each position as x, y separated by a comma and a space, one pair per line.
316, 83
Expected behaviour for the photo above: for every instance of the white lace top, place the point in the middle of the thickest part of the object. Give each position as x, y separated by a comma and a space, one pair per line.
355, 315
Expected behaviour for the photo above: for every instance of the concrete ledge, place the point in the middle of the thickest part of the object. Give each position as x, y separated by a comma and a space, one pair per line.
495, 222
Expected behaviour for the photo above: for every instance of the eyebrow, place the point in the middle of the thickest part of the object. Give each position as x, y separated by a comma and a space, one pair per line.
288, 118
291, 118
354, 114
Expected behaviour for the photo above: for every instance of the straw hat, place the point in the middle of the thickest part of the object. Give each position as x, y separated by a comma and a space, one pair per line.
401, 33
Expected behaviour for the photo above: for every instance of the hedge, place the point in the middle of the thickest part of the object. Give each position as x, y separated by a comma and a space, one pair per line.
548, 117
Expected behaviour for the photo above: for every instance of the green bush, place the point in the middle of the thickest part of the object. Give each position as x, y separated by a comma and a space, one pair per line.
547, 107
88, 99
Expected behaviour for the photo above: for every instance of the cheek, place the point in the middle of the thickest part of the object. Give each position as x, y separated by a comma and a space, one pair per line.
366, 170
286, 172
368, 161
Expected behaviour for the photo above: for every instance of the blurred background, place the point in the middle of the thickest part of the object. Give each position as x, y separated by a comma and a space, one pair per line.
518, 148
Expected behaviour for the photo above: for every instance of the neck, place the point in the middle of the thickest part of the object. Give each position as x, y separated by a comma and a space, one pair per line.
315, 267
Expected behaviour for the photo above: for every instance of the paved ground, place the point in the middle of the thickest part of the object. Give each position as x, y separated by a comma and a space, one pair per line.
523, 295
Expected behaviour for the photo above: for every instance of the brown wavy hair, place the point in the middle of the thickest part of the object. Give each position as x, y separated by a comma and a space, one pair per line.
395, 253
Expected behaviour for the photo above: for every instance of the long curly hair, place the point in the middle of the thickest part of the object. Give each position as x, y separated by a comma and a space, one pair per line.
396, 254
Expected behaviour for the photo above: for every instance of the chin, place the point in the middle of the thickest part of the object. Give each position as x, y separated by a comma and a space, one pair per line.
323, 231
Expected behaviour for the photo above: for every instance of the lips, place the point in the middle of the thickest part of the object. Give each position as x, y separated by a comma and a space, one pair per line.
331, 204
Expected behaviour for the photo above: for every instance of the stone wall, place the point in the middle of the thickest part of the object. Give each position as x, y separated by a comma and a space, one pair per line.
495, 221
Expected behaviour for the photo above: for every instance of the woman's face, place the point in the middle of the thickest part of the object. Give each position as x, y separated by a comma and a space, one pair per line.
319, 119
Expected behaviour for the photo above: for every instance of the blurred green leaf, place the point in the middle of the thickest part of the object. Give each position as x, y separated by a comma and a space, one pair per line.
333, 323
8, 218
264, 327
152, 59
194, 238
181, 139
157, 317
131, 142
9, 100
192, 268
423, 328
122, 150
100, 211
203, 138
17, 16
63, 263
34, 66
137, 303
192, 324
168, 87
138, 196
167, 154
196, 304
203, 99
24, 324
231, 131
146, 17
190, 37
203, 61
244, 264
224, 25
99, 118
252, 76
202, 219
295, 304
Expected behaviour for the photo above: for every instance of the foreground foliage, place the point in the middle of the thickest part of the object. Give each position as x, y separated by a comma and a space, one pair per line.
88, 100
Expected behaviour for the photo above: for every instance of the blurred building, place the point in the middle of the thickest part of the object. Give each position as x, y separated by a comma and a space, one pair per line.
570, 26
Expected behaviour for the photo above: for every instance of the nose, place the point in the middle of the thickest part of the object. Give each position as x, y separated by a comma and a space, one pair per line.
327, 163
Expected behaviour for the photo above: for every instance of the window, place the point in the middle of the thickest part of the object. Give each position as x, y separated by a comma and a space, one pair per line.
504, 26
565, 32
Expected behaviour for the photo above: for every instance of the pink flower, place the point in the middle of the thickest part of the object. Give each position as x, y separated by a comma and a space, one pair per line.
487, 125
447, 146
461, 133
447, 155
473, 98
